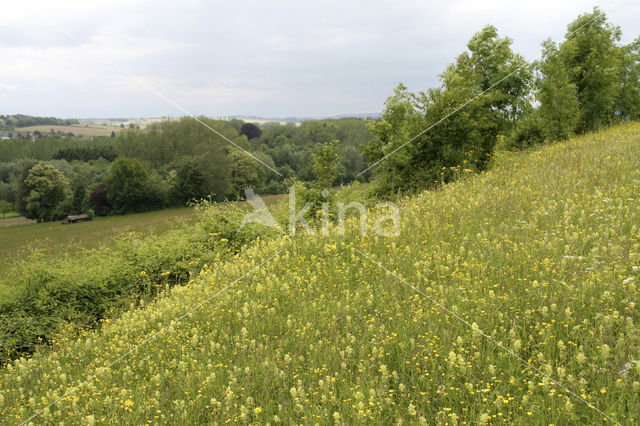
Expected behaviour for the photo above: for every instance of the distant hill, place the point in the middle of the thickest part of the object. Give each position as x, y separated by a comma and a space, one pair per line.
299, 119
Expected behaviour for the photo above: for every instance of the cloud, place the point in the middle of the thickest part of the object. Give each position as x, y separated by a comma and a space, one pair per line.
281, 58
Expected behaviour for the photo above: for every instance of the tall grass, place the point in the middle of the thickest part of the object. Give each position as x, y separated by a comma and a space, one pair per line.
541, 254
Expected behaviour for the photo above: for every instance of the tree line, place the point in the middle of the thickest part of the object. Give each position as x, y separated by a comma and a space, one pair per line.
169, 164
490, 98
586, 82
10, 122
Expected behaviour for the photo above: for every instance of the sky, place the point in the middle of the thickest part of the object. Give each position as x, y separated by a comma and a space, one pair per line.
84, 59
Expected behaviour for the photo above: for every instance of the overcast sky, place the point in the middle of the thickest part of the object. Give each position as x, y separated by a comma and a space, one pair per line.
271, 59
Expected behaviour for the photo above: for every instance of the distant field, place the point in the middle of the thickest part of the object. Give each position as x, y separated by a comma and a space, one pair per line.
76, 129
9, 215
57, 239
110, 122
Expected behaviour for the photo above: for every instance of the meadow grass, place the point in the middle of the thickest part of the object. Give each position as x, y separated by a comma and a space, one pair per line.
541, 254
8, 215
56, 239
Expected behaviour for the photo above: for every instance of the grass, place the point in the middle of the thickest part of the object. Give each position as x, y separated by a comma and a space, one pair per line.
541, 254
76, 129
57, 239
8, 215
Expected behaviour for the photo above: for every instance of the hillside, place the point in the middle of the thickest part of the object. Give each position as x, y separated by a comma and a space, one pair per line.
508, 296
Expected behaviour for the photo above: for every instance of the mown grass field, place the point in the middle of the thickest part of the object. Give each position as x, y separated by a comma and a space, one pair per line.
8, 215
56, 239
507, 297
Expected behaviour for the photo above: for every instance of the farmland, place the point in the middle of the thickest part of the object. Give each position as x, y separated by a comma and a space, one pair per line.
56, 239
76, 129
507, 296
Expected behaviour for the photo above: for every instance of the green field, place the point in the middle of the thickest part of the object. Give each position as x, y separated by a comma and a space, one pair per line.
56, 239
8, 215
507, 297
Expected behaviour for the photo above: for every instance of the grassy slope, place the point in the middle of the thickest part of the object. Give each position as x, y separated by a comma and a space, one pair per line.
539, 253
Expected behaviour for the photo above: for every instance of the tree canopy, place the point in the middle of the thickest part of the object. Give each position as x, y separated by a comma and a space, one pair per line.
45, 188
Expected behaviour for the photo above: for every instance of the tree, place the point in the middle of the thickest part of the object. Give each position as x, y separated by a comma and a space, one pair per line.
5, 207
126, 184
244, 172
593, 61
189, 182
559, 109
99, 201
79, 195
628, 101
400, 118
325, 164
497, 79
46, 188
22, 190
250, 130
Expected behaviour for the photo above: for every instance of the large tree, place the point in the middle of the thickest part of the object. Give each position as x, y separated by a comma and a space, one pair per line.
46, 187
593, 60
325, 164
244, 172
250, 130
557, 95
628, 101
126, 184
483, 94
188, 183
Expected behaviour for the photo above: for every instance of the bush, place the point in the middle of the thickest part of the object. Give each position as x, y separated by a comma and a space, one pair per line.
528, 133
46, 296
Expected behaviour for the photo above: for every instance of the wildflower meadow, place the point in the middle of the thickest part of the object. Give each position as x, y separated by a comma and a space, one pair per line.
508, 296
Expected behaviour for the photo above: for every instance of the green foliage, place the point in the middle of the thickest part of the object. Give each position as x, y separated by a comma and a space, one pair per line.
325, 164
559, 109
593, 61
86, 153
628, 102
457, 137
244, 172
126, 184
528, 132
188, 182
98, 200
291, 148
21, 120
250, 130
5, 207
45, 187
586, 82
186, 160
49, 295
485, 274
46, 148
